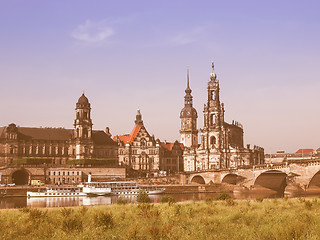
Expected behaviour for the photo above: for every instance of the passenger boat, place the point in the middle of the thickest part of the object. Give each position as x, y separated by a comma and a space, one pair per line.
96, 188
132, 188
119, 188
57, 192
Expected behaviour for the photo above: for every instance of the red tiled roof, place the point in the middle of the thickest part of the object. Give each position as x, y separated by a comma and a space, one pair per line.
129, 137
169, 146
305, 151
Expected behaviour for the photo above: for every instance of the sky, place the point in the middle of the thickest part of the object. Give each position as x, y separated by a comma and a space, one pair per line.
134, 54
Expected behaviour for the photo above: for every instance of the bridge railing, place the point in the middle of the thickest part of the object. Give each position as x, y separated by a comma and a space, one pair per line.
307, 162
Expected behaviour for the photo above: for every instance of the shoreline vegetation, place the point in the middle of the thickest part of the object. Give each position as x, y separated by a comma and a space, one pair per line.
218, 218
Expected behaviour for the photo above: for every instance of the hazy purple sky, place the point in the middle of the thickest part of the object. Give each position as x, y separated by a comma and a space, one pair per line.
130, 54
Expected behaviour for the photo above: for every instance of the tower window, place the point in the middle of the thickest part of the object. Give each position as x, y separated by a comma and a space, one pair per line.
212, 140
212, 95
85, 133
212, 119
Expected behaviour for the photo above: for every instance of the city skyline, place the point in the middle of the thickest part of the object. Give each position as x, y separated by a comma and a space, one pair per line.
135, 55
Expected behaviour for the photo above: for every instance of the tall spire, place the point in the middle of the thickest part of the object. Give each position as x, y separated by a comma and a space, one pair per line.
213, 76
188, 96
188, 76
188, 89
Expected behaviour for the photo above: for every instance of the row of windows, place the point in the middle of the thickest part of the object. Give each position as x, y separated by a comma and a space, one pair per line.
65, 180
135, 151
41, 150
64, 173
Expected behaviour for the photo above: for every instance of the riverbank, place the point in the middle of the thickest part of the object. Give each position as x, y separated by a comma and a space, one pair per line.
229, 219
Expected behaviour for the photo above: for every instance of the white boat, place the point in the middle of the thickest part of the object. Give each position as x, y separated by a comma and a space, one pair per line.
57, 192
132, 188
96, 188
119, 188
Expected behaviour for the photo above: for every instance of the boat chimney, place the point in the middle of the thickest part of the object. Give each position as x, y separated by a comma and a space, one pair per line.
89, 177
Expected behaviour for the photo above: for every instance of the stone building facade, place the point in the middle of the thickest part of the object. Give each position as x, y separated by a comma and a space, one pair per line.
56, 146
221, 144
145, 155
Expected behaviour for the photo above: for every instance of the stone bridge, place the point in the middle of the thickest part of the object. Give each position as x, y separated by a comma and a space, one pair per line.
301, 174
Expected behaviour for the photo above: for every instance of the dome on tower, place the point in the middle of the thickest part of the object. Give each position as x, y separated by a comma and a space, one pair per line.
188, 112
83, 99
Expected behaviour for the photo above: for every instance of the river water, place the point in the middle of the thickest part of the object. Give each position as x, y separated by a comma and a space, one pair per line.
19, 202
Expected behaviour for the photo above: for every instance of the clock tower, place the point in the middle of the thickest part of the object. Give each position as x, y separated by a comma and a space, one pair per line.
188, 116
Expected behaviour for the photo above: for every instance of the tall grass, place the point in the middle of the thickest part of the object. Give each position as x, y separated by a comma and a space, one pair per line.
223, 219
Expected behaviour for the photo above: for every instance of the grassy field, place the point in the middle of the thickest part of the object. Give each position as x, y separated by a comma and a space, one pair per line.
210, 219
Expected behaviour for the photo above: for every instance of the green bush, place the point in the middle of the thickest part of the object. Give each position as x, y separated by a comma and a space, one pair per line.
65, 212
122, 201
94, 161
104, 220
223, 196
308, 204
208, 200
72, 223
167, 199
143, 197
32, 161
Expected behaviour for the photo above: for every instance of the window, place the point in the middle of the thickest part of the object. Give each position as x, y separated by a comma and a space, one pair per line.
212, 119
212, 140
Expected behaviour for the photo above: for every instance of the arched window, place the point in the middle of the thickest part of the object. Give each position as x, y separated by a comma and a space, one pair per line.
212, 119
212, 140
85, 132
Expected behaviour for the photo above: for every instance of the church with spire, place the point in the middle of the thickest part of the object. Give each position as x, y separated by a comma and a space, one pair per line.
221, 144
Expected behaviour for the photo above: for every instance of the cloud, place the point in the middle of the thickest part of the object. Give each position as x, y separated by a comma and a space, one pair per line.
187, 37
182, 39
93, 32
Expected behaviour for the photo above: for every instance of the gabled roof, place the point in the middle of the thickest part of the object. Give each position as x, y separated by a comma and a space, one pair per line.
169, 146
101, 138
305, 151
129, 137
54, 134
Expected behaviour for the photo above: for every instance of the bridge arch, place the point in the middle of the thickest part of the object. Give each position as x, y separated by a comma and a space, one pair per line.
230, 178
315, 180
272, 179
20, 177
198, 179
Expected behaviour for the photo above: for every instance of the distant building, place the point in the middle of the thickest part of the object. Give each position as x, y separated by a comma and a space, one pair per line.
59, 147
307, 151
221, 144
145, 155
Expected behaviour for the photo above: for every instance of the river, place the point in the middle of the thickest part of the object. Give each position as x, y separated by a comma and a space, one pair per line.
19, 202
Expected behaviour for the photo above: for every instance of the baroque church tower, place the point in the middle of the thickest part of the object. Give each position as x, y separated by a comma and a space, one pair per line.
212, 134
83, 128
188, 117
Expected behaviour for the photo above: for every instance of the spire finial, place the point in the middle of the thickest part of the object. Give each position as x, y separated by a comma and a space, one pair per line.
188, 77
213, 76
82, 92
